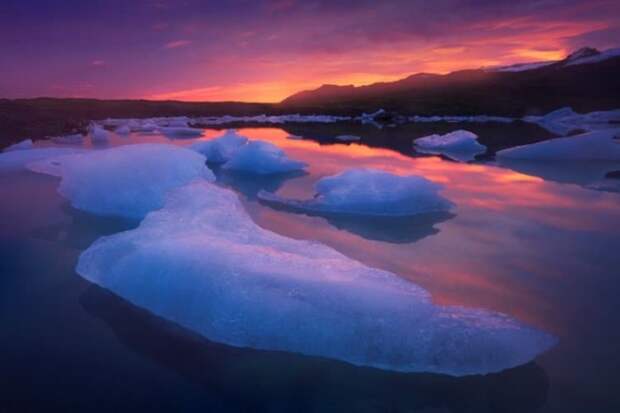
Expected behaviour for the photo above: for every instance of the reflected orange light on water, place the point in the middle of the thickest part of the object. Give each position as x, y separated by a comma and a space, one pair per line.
504, 225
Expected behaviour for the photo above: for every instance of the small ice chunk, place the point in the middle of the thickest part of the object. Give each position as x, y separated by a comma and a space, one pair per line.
75, 139
263, 158
203, 263
369, 192
598, 145
221, 149
98, 134
127, 181
25, 144
460, 145
123, 130
348, 138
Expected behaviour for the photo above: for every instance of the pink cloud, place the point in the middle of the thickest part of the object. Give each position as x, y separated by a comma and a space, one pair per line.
176, 44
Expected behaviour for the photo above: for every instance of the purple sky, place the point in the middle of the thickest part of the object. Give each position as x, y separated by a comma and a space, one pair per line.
266, 50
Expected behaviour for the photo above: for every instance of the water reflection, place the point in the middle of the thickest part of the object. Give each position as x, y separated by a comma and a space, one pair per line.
589, 174
78, 230
251, 380
398, 229
250, 184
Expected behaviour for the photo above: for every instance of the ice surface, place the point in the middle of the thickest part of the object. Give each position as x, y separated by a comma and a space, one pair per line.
460, 145
221, 149
602, 145
204, 264
368, 192
348, 138
127, 181
264, 158
25, 144
17, 159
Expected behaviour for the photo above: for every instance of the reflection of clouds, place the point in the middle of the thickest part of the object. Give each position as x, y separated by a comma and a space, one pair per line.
513, 233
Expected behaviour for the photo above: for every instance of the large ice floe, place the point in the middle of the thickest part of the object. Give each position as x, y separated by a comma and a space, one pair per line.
602, 145
460, 145
238, 153
565, 120
18, 158
368, 192
202, 262
127, 181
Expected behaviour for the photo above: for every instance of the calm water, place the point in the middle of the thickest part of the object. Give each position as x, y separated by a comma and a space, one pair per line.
540, 248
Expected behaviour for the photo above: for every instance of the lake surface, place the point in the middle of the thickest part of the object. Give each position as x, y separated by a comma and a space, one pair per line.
540, 245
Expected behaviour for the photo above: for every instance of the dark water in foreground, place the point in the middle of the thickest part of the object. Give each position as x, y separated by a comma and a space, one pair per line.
539, 250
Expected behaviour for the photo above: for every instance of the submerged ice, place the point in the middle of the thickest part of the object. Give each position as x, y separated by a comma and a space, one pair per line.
460, 145
203, 263
368, 192
127, 181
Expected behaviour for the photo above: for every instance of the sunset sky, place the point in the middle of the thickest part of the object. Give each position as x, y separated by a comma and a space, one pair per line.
267, 50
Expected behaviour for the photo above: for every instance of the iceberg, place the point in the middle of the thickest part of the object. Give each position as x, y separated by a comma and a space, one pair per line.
98, 134
127, 181
602, 145
221, 149
368, 192
203, 263
25, 144
263, 158
460, 145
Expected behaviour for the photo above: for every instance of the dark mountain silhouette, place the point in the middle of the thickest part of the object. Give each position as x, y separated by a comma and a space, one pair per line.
587, 80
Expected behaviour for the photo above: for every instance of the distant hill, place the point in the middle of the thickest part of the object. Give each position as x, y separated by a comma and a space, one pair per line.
586, 80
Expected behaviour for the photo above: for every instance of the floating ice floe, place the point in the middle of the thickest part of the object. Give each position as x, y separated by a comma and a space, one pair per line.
602, 145
75, 139
461, 119
347, 138
17, 159
203, 263
98, 134
564, 121
123, 130
268, 119
25, 144
460, 145
368, 192
127, 181
221, 149
263, 158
